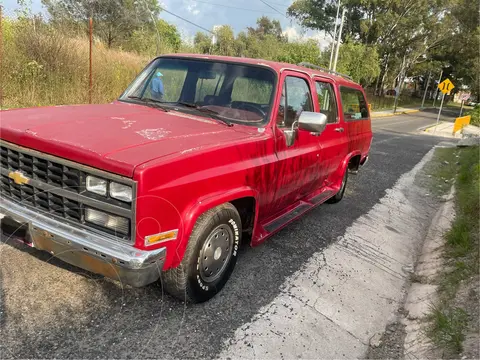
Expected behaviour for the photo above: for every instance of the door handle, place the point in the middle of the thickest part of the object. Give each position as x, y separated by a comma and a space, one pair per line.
339, 129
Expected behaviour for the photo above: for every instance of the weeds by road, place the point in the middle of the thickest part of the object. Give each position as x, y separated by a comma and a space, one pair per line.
454, 319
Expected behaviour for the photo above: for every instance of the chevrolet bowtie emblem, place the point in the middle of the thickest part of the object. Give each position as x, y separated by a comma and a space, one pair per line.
18, 177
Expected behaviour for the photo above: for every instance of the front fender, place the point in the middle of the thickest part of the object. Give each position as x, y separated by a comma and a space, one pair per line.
192, 213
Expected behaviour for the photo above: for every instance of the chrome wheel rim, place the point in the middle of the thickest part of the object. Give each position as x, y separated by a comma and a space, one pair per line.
216, 253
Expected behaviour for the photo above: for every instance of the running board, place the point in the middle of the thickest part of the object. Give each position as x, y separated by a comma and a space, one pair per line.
287, 217
302, 207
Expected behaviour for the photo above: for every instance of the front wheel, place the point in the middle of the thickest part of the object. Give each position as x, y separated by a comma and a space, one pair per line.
339, 196
210, 256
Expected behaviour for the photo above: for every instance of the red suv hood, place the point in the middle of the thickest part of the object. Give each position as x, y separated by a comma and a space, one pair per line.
103, 136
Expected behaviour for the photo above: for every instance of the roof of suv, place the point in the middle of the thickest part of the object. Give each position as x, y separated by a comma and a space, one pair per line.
277, 66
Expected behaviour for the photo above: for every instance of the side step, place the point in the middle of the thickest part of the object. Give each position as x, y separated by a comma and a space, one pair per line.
287, 217
302, 207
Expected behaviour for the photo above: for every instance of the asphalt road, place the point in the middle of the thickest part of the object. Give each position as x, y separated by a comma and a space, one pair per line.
48, 309
410, 123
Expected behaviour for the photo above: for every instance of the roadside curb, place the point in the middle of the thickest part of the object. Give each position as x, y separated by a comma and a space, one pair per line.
373, 116
421, 295
428, 127
425, 128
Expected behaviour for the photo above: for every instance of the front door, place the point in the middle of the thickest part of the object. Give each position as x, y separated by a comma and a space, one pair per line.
297, 168
334, 139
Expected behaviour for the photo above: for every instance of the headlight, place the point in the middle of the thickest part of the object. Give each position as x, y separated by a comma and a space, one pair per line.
96, 185
121, 192
116, 223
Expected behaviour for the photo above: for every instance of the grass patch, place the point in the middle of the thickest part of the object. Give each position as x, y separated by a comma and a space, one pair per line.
46, 67
442, 170
448, 329
448, 323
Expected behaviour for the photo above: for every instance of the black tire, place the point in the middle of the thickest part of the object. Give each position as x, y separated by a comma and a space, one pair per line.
339, 196
190, 281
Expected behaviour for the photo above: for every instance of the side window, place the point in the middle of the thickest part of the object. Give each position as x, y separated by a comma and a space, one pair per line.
354, 104
326, 101
296, 97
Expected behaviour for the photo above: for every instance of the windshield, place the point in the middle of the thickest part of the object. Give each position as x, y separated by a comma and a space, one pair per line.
225, 91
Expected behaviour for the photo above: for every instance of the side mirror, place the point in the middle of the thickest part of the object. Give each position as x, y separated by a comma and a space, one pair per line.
312, 121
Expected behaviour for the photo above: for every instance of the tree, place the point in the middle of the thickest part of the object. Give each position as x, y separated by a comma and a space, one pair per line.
460, 50
164, 38
297, 52
225, 39
114, 21
202, 42
265, 27
364, 71
314, 14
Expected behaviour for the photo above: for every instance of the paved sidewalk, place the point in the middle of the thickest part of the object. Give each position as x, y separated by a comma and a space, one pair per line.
445, 129
400, 110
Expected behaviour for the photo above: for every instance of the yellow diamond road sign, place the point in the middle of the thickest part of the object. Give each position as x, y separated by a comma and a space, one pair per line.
446, 86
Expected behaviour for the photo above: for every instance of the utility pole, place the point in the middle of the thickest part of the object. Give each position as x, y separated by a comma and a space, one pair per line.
339, 40
436, 90
426, 88
334, 36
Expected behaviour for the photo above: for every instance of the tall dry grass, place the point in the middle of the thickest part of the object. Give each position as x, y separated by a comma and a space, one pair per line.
45, 66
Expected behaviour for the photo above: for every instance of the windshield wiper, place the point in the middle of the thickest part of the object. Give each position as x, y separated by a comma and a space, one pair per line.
150, 102
213, 114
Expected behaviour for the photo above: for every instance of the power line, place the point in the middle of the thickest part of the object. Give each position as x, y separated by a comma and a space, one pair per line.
188, 21
278, 4
271, 7
234, 7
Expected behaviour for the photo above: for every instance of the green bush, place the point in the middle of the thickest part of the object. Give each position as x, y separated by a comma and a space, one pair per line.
475, 114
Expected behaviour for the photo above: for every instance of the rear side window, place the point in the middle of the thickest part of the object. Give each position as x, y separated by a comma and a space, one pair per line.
326, 101
354, 104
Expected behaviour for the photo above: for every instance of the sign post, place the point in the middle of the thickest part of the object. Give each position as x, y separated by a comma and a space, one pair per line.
436, 91
463, 97
445, 87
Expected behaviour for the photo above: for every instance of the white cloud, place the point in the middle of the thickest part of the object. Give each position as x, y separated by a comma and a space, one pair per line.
291, 33
294, 34
192, 8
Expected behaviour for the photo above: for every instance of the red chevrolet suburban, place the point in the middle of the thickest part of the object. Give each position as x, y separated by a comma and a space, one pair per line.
198, 153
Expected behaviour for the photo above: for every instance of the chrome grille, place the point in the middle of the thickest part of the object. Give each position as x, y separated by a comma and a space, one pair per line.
45, 201
40, 169
56, 187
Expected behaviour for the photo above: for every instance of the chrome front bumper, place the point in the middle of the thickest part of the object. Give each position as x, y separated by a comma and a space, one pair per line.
85, 249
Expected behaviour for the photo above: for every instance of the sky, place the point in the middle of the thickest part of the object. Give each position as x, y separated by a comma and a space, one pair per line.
207, 13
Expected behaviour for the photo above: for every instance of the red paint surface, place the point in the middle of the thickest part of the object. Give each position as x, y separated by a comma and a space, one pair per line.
187, 164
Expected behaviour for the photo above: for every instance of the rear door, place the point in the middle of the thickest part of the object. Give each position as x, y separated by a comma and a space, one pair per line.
333, 140
356, 119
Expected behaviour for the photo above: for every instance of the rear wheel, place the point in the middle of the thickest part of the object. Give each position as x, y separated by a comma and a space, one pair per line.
210, 256
339, 196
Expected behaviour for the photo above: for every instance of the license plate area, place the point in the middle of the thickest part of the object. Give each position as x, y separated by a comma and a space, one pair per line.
16, 230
